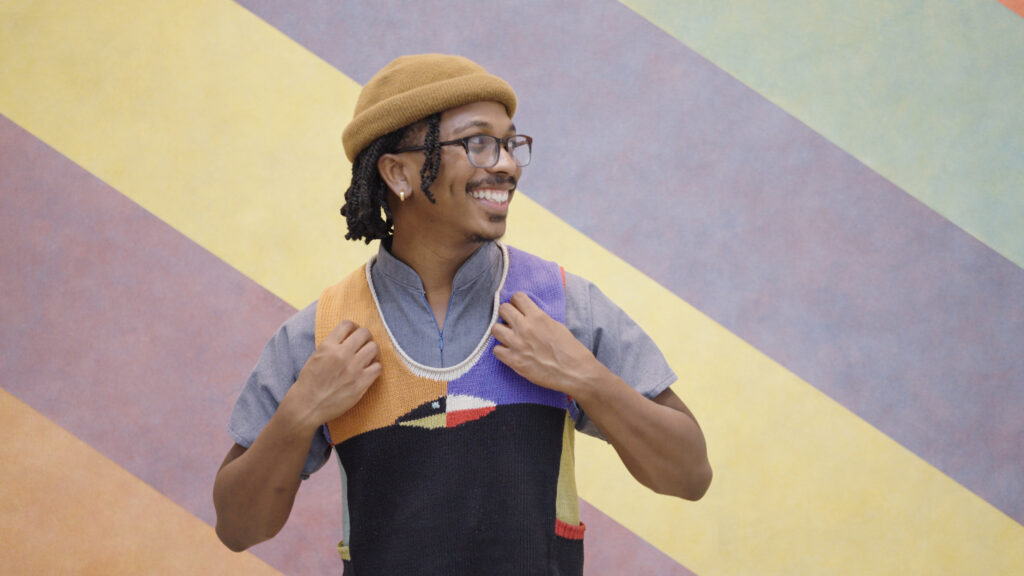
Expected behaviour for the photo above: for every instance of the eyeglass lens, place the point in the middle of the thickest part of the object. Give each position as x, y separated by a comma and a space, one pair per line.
483, 150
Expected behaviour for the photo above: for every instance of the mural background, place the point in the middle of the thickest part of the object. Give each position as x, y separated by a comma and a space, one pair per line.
816, 209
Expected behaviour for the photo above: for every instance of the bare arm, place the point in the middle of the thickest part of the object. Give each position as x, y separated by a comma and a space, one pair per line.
658, 440
256, 487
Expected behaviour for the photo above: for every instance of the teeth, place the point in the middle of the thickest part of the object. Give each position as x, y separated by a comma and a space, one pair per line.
499, 196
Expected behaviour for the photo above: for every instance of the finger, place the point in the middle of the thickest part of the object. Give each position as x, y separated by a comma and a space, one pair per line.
508, 358
524, 303
369, 374
503, 354
367, 354
509, 313
502, 333
340, 332
357, 339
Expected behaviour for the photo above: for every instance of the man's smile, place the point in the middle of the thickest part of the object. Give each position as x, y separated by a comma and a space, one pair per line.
493, 200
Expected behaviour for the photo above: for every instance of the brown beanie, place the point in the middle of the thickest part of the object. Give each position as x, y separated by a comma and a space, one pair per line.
411, 88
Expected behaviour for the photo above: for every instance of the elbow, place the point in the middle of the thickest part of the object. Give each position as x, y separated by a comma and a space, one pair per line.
240, 542
232, 545
699, 484
231, 540
692, 486
239, 533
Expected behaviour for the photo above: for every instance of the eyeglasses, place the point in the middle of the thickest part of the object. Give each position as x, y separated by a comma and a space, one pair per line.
483, 149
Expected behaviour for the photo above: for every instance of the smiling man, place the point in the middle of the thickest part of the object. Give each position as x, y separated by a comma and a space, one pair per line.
451, 372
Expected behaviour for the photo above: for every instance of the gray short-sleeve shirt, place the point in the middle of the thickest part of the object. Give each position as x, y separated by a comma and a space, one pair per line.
608, 332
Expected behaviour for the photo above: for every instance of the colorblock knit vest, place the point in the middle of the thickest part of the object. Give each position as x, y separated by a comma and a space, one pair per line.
462, 470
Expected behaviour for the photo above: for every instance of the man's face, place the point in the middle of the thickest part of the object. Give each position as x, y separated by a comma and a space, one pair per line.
472, 203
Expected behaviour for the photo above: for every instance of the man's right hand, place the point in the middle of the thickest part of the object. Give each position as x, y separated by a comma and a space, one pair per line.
255, 487
338, 374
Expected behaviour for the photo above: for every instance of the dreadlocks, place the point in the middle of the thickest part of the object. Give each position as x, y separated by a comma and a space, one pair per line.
367, 192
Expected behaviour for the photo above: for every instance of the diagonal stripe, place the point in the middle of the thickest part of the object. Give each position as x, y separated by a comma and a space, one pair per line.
192, 326
755, 515
746, 213
135, 339
802, 486
65, 509
1015, 5
269, 152
926, 94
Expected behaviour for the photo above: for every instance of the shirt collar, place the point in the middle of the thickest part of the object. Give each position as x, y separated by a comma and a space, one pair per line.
486, 259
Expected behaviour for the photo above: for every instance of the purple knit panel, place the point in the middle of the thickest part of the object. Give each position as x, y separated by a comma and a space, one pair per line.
489, 378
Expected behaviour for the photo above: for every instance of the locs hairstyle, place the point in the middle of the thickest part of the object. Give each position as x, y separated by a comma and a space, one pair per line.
366, 196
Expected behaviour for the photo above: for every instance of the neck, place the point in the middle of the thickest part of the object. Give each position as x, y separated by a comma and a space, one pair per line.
434, 262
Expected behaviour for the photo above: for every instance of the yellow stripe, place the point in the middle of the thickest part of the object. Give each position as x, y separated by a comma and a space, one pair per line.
229, 131
202, 114
66, 509
802, 486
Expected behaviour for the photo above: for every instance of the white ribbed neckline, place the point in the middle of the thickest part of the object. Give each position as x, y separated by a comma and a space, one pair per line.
451, 372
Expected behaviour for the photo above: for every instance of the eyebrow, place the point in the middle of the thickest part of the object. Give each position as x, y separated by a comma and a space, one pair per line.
482, 124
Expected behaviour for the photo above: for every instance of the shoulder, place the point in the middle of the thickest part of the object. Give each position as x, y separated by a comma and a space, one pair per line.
521, 262
299, 326
292, 344
540, 279
617, 340
275, 371
515, 253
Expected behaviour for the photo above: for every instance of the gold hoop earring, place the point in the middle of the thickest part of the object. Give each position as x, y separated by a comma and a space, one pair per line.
401, 196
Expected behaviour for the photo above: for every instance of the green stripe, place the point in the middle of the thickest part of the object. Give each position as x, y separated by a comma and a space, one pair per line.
928, 94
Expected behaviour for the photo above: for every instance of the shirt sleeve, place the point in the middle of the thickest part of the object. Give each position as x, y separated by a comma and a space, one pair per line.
616, 341
276, 370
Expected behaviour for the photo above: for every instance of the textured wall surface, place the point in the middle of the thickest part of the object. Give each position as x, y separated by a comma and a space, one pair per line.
815, 209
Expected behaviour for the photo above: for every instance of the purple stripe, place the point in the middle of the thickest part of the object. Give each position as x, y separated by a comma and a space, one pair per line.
137, 340
612, 549
741, 210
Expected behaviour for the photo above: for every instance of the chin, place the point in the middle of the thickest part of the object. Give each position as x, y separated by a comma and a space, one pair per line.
492, 232
488, 236
483, 239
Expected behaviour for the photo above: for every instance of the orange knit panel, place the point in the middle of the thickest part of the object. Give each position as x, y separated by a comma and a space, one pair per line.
397, 391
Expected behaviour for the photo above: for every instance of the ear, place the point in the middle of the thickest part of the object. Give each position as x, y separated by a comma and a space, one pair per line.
396, 174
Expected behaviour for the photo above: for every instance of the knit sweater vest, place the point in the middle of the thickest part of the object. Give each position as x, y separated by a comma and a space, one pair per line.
461, 470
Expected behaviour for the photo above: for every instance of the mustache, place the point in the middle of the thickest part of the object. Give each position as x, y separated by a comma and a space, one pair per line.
490, 182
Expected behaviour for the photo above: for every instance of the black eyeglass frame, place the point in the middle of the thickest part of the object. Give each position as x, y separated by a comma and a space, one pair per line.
464, 142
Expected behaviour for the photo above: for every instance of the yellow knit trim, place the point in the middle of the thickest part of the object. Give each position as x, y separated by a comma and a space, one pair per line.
344, 551
567, 502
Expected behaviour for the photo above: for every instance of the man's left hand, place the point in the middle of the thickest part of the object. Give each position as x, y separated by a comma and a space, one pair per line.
541, 349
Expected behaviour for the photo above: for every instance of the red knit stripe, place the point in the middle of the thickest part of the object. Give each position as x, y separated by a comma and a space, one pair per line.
566, 530
463, 416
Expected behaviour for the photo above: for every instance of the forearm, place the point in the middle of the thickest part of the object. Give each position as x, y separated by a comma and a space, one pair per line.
254, 492
660, 443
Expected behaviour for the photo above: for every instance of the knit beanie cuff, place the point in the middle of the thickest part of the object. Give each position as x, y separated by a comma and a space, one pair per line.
411, 88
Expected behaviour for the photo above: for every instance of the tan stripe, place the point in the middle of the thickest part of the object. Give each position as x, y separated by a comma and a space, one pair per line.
67, 509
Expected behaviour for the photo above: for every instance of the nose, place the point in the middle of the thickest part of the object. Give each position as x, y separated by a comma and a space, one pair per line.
506, 162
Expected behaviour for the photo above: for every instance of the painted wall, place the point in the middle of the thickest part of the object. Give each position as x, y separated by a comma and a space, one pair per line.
816, 210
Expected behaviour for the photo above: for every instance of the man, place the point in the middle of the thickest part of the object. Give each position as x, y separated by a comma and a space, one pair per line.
451, 370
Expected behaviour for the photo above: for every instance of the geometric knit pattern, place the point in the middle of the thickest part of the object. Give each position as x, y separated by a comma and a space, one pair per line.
477, 467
